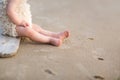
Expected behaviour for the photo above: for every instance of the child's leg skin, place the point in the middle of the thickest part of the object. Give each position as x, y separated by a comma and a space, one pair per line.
61, 35
37, 37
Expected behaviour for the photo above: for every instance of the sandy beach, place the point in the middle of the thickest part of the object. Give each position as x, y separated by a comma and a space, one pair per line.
92, 52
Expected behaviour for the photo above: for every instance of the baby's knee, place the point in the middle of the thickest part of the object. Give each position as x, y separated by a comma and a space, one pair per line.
23, 31
28, 31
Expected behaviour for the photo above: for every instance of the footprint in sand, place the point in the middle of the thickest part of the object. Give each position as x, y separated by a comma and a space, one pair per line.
91, 38
100, 58
97, 77
49, 72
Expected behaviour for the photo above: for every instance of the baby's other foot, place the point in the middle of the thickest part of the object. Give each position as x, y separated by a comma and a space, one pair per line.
64, 34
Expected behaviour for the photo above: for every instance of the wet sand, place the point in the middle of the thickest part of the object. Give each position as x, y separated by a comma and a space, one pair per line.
91, 53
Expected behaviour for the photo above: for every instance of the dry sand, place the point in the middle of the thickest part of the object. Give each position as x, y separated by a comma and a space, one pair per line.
91, 53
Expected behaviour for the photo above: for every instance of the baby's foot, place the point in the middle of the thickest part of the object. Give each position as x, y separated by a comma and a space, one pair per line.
63, 35
56, 42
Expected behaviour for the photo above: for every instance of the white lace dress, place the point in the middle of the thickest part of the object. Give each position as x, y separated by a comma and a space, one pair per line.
23, 11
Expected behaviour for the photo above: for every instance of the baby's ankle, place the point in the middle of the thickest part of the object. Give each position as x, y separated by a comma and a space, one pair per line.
56, 42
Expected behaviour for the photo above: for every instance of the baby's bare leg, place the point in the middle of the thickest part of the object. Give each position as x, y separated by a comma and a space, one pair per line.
37, 37
61, 35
